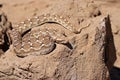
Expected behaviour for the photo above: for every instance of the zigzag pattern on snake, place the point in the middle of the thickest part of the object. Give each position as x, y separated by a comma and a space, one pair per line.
40, 20
36, 42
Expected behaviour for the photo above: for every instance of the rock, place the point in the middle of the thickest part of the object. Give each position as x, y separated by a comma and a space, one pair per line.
86, 58
5, 25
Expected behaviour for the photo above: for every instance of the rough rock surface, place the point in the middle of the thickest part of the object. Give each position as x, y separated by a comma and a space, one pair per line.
89, 55
86, 57
5, 25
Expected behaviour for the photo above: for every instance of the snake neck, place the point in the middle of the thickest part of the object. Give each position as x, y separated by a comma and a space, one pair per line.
16, 39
